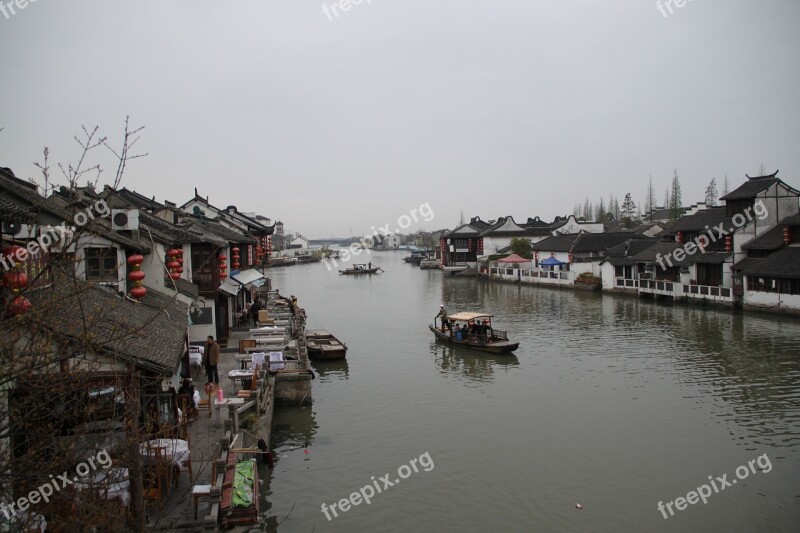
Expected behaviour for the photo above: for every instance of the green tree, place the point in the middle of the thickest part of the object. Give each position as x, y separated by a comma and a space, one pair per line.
650, 200
601, 211
711, 193
628, 211
675, 203
522, 247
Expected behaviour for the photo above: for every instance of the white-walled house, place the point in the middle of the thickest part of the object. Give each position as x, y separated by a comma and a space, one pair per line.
572, 225
771, 271
500, 234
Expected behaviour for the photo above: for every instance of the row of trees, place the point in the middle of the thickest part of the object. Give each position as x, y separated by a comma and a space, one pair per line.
629, 213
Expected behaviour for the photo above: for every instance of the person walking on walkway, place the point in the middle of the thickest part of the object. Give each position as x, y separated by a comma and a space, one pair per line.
212, 360
254, 309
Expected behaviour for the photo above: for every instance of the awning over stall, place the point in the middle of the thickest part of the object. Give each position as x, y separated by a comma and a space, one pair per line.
250, 277
551, 261
229, 287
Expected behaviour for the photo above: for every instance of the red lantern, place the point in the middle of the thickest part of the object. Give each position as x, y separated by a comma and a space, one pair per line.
728, 244
679, 238
15, 281
19, 306
136, 276
138, 292
175, 275
787, 235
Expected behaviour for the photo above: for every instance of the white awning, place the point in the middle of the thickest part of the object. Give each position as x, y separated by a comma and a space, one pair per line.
229, 287
250, 277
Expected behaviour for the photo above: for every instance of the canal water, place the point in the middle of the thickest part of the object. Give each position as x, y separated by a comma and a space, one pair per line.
612, 403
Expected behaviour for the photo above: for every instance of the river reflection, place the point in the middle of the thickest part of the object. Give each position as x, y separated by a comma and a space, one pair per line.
613, 402
331, 370
466, 363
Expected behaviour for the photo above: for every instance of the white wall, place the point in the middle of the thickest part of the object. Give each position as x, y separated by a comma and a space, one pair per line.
772, 300
199, 333
607, 272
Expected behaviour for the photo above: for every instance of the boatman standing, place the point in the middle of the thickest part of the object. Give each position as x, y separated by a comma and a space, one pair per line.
443, 314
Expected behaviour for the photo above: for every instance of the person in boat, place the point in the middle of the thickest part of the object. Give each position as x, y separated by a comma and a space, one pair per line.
369, 266
443, 314
464, 331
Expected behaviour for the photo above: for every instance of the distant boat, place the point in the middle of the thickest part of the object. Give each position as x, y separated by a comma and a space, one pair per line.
479, 337
282, 261
361, 269
429, 263
416, 257
323, 345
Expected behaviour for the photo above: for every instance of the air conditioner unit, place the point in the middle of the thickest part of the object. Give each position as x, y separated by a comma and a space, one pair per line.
18, 230
125, 219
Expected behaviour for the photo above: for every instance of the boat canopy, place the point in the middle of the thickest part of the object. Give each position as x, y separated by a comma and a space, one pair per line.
466, 316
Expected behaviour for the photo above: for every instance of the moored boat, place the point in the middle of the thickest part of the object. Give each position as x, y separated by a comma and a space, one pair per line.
478, 333
323, 345
429, 263
416, 257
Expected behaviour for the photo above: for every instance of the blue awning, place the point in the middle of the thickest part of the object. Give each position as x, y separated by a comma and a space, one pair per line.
551, 261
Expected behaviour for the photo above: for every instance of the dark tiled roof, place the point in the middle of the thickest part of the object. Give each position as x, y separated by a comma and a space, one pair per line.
752, 187
26, 196
562, 242
631, 247
139, 200
772, 239
697, 222
150, 334
659, 249
12, 212
535, 222
712, 258
229, 234
165, 232
187, 288
784, 263
598, 242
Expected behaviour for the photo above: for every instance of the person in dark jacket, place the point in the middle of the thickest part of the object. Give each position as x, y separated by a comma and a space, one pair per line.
212, 360
254, 309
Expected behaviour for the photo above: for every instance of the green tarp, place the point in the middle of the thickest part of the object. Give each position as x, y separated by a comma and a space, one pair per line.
243, 483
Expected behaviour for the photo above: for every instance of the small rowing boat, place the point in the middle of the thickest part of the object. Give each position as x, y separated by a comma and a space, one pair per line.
323, 345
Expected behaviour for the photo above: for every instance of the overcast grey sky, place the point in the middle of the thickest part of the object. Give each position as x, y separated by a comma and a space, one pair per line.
335, 124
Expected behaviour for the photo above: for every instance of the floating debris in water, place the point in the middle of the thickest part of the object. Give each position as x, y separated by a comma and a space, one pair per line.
578, 506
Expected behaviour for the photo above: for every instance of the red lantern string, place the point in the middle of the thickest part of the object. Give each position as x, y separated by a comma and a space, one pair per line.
136, 276
16, 280
223, 266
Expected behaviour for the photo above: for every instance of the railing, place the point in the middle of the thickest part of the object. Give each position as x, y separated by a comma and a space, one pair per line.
657, 285
690, 291
549, 274
627, 283
706, 290
502, 335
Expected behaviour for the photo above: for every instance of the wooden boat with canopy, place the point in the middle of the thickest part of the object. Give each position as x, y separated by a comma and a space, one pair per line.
361, 269
478, 335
